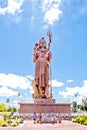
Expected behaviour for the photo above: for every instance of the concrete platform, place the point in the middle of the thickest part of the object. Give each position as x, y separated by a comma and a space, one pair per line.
45, 106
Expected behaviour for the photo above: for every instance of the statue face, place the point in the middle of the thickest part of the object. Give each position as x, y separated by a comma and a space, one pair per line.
42, 42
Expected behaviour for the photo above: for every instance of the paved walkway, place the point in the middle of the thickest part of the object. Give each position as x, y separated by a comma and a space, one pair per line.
28, 125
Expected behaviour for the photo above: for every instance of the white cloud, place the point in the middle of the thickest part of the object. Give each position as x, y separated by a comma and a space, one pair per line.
51, 9
69, 81
56, 83
46, 4
82, 91
30, 77
52, 15
69, 91
5, 91
46, 11
15, 81
31, 91
13, 6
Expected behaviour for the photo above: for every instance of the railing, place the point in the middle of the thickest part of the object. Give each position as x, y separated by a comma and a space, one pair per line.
58, 100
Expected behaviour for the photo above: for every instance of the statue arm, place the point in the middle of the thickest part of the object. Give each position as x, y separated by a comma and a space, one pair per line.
48, 46
34, 57
49, 57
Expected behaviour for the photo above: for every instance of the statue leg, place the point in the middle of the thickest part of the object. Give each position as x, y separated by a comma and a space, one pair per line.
46, 90
40, 91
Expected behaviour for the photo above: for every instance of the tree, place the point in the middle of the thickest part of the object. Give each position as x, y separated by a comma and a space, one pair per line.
2, 107
81, 107
84, 101
74, 106
12, 109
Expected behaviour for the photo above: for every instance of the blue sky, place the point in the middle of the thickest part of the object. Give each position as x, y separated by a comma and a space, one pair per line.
22, 24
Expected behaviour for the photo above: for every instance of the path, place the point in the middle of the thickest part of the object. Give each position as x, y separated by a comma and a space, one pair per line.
68, 125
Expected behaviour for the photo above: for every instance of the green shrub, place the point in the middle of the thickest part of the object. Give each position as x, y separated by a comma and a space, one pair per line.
14, 124
21, 121
1, 121
81, 120
85, 122
9, 121
17, 122
76, 120
4, 124
5, 116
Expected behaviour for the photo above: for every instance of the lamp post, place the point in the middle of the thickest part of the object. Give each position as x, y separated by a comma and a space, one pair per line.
18, 97
83, 102
7, 101
76, 95
18, 100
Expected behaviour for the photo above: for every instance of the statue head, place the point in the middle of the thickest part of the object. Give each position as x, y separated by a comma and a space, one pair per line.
42, 42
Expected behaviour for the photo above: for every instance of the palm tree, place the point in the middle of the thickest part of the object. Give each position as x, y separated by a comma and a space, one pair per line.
84, 102
74, 106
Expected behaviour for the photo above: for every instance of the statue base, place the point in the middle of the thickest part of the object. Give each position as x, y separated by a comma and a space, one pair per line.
45, 106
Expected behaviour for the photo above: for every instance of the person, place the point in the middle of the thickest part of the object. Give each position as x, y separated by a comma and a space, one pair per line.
34, 117
40, 117
52, 117
42, 59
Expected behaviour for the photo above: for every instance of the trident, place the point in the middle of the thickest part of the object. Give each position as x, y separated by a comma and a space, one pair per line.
49, 34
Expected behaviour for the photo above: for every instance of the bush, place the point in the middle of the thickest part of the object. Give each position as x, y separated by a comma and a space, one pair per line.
5, 116
14, 124
9, 121
85, 122
17, 122
21, 121
81, 120
4, 124
1, 121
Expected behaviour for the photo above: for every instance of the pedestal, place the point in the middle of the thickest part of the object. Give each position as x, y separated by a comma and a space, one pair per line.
45, 106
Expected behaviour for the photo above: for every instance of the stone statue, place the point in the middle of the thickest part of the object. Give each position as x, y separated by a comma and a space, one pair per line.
42, 58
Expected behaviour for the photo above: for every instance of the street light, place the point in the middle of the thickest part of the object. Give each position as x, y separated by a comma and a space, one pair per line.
7, 101
18, 97
76, 95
